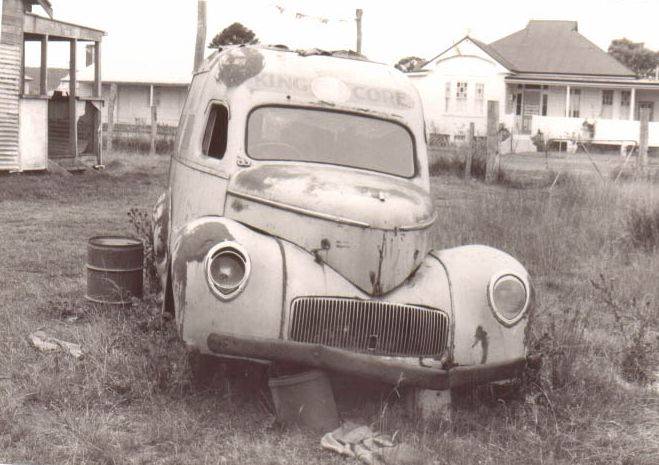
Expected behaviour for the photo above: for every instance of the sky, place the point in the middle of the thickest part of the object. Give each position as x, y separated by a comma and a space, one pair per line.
160, 34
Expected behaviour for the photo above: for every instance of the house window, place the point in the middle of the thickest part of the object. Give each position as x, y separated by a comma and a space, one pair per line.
215, 137
461, 97
575, 103
607, 104
479, 99
625, 98
447, 96
545, 100
461, 91
518, 107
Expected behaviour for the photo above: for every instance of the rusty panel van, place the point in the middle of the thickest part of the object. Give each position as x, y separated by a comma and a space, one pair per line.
296, 227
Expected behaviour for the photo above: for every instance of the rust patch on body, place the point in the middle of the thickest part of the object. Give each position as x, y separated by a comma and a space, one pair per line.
481, 337
238, 65
238, 206
193, 245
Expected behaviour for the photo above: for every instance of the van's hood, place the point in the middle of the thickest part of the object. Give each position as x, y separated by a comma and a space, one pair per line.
373, 229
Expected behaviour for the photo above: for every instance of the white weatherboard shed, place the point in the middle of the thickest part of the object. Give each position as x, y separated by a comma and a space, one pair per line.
547, 77
36, 127
137, 88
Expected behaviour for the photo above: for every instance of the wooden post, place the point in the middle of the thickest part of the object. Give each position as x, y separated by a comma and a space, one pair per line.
358, 19
200, 46
43, 81
111, 106
73, 123
567, 101
471, 148
643, 138
97, 69
492, 140
632, 104
154, 128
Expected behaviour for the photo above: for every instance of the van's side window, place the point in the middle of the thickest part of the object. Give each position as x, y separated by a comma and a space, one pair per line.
215, 137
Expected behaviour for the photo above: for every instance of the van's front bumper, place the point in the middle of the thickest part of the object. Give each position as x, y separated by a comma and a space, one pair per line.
386, 369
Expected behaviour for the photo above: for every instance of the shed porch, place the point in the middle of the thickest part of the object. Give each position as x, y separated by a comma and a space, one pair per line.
64, 125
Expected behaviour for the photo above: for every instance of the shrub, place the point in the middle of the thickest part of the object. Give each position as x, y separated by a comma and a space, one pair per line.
142, 224
643, 227
452, 159
634, 318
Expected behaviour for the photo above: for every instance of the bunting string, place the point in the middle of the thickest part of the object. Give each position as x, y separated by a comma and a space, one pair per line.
298, 15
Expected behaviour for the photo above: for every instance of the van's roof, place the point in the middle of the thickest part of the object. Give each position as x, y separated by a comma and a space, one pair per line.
342, 76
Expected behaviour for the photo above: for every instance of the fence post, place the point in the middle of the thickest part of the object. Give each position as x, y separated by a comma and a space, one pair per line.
154, 128
111, 104
492, 140
643, 138
471, 148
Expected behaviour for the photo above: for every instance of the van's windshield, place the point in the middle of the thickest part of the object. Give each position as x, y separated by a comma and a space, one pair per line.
321, 136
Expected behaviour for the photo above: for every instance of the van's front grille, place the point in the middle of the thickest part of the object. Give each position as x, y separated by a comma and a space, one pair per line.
376, 327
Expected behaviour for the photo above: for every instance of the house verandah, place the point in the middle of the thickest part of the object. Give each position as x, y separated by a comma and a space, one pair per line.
559, 108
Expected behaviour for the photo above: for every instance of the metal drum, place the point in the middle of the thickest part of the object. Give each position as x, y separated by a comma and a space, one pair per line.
305, 399
114, 269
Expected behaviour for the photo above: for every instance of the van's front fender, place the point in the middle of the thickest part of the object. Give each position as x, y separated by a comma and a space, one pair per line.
256, 311
479, 337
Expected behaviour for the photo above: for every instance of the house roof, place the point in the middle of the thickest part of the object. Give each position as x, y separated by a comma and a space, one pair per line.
152, 73
45, 4
555, 47
53, 76
482, 45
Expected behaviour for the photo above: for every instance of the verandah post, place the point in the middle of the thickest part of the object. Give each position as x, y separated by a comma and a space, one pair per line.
111, 106
73, 119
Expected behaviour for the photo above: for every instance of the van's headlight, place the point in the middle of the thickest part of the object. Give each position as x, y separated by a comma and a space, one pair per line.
509, 297
227, 269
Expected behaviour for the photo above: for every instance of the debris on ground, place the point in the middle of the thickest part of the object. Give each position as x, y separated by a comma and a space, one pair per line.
370, 447
45, 343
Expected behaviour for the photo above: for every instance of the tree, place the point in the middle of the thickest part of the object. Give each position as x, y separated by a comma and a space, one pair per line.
236, 34
635, 56
409, 63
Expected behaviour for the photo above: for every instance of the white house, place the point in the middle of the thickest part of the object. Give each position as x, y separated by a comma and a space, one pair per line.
546, 77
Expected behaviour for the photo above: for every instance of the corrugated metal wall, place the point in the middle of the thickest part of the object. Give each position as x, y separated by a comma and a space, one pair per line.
11, 41
10, 64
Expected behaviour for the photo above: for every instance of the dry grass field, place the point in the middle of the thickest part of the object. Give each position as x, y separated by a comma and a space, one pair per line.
593, 250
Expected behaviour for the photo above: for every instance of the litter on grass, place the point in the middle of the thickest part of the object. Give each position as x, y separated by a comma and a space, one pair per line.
369, 447
45, 343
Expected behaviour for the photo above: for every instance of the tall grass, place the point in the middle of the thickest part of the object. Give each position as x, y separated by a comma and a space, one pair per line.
596, 323
132, 399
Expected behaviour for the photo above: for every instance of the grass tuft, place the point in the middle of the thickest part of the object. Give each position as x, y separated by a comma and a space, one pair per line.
643, 227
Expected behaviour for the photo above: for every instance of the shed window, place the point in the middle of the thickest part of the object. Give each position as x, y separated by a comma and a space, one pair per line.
215, 136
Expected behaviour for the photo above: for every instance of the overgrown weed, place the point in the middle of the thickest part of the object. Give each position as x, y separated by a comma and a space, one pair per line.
142, 223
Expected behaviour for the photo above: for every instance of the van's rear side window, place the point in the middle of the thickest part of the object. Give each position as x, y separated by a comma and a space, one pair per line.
215, 136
